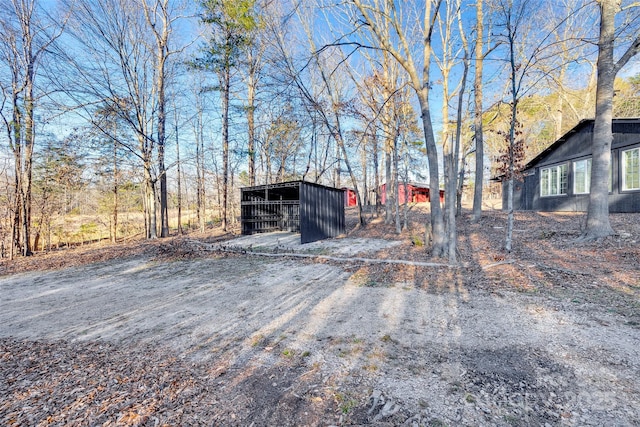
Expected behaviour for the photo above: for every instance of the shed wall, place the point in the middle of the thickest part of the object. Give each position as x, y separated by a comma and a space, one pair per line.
315, 211
321, 212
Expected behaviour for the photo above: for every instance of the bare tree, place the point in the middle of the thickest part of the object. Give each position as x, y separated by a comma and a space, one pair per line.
598, 224
446, 61
480, 55
26, 34
527, 52
107, 118
457, 187
378, 14
119, 60
329, 101
161, 18
513, 20
198, 92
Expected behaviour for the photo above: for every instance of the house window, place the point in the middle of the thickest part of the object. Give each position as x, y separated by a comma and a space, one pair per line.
631, 169
553, 181
581, 176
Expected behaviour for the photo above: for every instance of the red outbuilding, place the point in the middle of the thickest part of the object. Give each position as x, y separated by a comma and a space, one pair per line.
350, 198
412, 192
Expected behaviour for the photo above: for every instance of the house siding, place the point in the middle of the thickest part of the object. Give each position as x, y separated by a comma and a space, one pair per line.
577, 146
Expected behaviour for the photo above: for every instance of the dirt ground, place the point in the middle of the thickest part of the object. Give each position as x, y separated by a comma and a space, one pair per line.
205, 330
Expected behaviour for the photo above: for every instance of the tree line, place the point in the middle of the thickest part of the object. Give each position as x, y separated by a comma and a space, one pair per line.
142, 107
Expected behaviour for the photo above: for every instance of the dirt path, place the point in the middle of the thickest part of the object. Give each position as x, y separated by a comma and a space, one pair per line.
261, 341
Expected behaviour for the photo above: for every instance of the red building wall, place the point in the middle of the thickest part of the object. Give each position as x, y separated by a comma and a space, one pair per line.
415, 194
350, 198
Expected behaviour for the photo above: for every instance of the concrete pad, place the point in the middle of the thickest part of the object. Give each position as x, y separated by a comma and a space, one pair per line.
290, 242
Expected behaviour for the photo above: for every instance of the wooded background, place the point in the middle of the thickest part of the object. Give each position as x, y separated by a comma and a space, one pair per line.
125, 118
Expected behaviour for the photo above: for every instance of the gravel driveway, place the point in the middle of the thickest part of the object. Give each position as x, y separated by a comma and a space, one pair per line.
361, 353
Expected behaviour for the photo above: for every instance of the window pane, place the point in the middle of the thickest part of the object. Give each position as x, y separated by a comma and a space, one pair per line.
631, 173
578, 177
544, 182
581, 176
554, 181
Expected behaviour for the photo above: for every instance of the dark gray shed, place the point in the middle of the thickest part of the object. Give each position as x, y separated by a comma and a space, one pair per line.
313, 210
558, 178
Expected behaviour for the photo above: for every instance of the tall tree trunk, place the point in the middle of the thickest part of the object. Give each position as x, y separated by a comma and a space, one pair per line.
559, 107
150, 197
450, 187
459, 192
161, 58
159, 21
365, 176
477, 88
376, 171
200, 192
388, 190
164, 208
17, 206
598, 224
114, 235
29, 134
396, 187
226, 87
455, 188
251, 90
337, 170
450, 175
179, 172
512, 138
439, 241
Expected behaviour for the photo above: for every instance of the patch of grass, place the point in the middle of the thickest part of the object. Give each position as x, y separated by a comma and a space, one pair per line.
386, 338
257, 340
370, 368
455, 387
416, 241
470, 398
345, 402
306, 354
288, 353
437, 422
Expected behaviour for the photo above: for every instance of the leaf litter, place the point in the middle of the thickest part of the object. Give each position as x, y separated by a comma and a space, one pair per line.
545, 335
